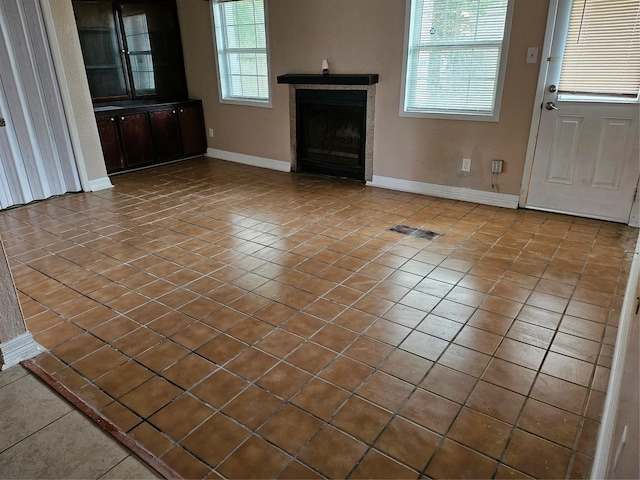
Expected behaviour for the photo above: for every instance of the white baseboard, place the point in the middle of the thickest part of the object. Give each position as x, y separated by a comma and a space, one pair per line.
604, 450
443, 191
22, 347
100, 184
249, 160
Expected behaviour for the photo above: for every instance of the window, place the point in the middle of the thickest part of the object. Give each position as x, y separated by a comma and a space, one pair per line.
241, 38
455, 58
602, 51
137, 34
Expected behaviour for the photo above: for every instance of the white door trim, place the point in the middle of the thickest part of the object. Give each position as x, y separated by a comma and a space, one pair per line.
537, 111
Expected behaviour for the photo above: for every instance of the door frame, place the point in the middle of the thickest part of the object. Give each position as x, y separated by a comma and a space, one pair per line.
537, 103
634, 216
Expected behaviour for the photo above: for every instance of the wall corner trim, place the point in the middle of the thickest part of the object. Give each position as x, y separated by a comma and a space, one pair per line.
249, 160
444, 191
100, 184
22, 347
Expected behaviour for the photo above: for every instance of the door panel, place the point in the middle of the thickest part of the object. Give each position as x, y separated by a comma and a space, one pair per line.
562, 159
586, 154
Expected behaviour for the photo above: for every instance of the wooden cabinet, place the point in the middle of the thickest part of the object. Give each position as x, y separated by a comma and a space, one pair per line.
110, 140
141, 135
192, 132
135, 135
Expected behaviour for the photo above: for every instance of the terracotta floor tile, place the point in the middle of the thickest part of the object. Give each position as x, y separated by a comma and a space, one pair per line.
162, 355
520, 353
150, 397
221, 349
537, 457
406, 366
295, 283
283, 380
431, 411
376, 465
320, 398
477, 339
449, 383
480, 432
408, 443
332, 453
453, 460
334, 337
496, 402
361, 419
311, 357
264, 460
567, 368
346, 373
290, 428
123, 379
219, 388
554, 424
189, 371
464, 360
215, 439
77, 347
152, 439
252, 407
510, 376
99, 362
251, 364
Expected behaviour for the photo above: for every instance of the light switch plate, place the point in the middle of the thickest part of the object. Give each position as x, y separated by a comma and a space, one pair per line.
532, 55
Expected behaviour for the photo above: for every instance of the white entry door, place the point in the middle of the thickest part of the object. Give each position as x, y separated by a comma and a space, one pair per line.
586, 159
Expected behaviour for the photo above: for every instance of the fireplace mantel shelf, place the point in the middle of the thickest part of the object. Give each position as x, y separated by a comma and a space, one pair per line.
331, 79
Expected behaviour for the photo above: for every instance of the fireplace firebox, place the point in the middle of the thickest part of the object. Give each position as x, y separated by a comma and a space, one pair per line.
331, 131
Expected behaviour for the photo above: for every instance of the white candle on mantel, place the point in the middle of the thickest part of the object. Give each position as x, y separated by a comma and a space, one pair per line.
325, 67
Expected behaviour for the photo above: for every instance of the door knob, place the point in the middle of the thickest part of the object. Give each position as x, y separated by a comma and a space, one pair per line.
553, 88
551, 106
3, 122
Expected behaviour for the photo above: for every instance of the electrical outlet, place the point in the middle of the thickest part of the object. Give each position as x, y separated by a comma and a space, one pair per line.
466, 165
211, 132
496, 166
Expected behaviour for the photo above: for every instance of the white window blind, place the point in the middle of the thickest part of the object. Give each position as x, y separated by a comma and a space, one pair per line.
455, 50
241, 39
602, 52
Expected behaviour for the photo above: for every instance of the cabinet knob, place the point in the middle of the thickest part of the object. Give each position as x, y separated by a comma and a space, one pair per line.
182, 110
173, 111
113, 119
122, 118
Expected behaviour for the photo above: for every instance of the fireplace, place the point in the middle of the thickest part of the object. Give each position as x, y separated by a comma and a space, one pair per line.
332, 123
331, 132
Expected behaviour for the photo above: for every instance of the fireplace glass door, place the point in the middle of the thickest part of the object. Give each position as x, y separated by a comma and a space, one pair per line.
331, 129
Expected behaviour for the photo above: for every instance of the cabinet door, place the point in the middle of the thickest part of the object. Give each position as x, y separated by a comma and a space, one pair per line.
166, 135
110, 141
136, 139
194, 140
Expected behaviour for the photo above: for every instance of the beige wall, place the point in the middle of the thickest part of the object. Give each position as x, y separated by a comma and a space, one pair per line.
11, 319
367, 36
75, 87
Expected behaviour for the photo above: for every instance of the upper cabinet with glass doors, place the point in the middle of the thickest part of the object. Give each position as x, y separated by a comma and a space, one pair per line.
131, 49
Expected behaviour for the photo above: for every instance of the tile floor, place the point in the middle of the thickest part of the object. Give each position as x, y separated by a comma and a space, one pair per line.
43, 436
240, 322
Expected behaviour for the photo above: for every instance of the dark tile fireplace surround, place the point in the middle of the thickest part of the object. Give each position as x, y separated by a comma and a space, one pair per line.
332, 120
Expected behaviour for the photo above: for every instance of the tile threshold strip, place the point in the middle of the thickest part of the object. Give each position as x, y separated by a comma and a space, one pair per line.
105, 424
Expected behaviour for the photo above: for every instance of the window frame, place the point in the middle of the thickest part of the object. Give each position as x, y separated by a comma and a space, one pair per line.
502, 67
245, 101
